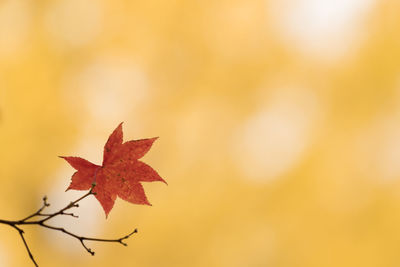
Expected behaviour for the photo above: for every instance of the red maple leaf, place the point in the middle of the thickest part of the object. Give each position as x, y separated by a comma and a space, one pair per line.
121, 173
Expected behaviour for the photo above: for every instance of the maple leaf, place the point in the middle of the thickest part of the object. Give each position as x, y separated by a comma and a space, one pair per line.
120, 174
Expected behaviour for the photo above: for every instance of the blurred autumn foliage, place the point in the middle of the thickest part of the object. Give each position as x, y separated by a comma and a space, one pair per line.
278, 125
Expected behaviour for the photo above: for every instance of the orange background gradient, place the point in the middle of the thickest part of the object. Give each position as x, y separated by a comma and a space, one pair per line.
279, 126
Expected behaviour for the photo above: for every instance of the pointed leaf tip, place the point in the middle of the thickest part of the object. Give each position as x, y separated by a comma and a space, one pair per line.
113, 143
136, 149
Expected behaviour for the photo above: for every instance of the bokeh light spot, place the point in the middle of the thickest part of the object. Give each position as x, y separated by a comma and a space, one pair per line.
322, 28
74, 22
273, 140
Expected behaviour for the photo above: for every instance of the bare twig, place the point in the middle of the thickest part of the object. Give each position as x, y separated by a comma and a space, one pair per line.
21, 233
44, 217
37, 213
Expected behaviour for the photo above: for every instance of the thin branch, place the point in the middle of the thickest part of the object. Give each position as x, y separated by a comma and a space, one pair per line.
72, 204
21, 233
29, 220
82, 239
38, 212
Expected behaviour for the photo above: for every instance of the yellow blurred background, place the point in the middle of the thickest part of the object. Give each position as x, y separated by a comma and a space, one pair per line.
279, 126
